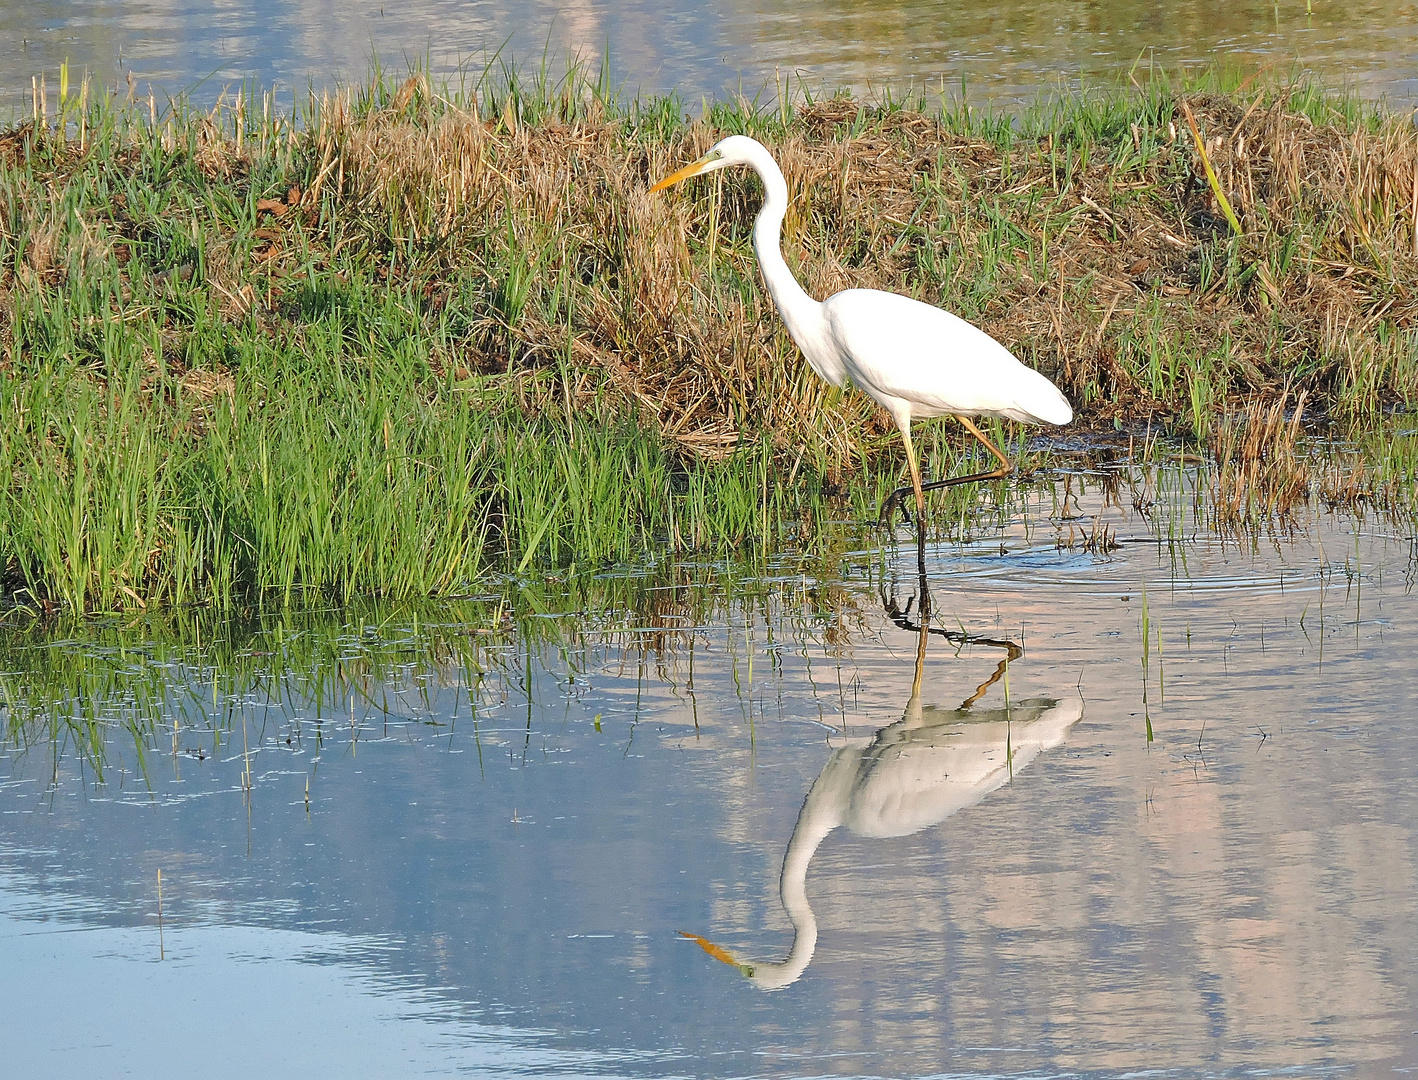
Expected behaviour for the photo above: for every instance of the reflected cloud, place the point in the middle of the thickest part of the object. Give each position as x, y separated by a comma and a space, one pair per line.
932, 763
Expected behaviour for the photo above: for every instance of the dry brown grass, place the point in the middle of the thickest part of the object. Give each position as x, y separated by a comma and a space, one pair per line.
1260, 476
1103, 267
1090, 243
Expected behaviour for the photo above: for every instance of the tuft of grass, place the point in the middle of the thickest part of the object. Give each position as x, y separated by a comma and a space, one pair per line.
1260, 473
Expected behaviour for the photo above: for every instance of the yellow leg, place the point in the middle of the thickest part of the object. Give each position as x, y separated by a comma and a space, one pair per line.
894, 499
1005, 467
915, 475
921, 653
888, 507
920, 524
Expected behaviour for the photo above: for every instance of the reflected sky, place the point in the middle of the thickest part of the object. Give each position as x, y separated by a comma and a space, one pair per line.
1006, 52
1237, 893
242, 986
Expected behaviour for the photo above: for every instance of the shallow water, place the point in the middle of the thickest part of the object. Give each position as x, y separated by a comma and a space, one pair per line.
508, 837
1008, 53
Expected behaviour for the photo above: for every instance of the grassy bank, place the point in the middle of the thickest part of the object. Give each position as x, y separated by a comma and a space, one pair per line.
411, 334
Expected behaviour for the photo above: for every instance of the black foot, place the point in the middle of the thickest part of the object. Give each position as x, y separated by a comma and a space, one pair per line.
892, 503
897, 497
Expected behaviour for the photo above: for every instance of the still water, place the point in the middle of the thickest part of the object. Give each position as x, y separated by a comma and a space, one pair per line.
718, 821
1007, 52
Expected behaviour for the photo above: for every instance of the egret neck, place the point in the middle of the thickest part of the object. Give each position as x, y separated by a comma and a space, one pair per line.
801, 314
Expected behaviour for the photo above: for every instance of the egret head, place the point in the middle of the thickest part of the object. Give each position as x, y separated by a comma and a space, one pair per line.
735, 150
765, 976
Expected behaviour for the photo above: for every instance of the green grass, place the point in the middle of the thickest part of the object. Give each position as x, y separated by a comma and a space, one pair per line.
400, 340
327, 477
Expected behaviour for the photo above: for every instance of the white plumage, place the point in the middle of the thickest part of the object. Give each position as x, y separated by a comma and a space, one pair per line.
912, 774
911, 356
913, 359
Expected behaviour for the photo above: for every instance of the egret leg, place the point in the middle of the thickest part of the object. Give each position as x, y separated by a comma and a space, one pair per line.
894, 499
888, 507
1005, 468
920, 526
916, 481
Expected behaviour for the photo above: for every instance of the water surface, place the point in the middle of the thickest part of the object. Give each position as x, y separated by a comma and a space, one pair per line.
1009, 53
516, 814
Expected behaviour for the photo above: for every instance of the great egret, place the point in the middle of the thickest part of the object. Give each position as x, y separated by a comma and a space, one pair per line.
914, 360
912, 774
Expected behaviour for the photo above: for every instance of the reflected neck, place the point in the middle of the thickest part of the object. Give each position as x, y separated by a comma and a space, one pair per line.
821, 813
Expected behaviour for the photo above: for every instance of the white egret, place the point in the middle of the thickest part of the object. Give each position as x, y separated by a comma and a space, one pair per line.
913, 359
915, 773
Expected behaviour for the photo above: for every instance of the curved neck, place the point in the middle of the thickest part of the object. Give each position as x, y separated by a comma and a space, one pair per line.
800, 312
811, 830
821, 813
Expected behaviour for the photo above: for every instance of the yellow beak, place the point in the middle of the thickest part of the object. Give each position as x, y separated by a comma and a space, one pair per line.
708, 946
693, 169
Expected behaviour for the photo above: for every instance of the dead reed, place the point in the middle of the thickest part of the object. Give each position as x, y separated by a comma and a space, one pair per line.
1260, 475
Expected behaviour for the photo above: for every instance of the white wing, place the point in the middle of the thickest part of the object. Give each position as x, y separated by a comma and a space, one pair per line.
906, 354
911, 778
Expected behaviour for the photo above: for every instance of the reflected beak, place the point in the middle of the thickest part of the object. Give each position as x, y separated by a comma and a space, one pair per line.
708, 946
693, 169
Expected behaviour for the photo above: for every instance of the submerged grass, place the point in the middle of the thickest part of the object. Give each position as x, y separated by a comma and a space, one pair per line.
414, 333
114, 692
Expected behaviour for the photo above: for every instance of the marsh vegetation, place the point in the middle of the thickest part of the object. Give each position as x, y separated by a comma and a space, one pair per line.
414, 333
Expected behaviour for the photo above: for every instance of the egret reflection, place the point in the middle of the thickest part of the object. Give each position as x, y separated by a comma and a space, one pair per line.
910, 775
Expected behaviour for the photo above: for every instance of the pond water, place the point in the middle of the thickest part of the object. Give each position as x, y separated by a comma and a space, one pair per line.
714, 820
1008, 53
